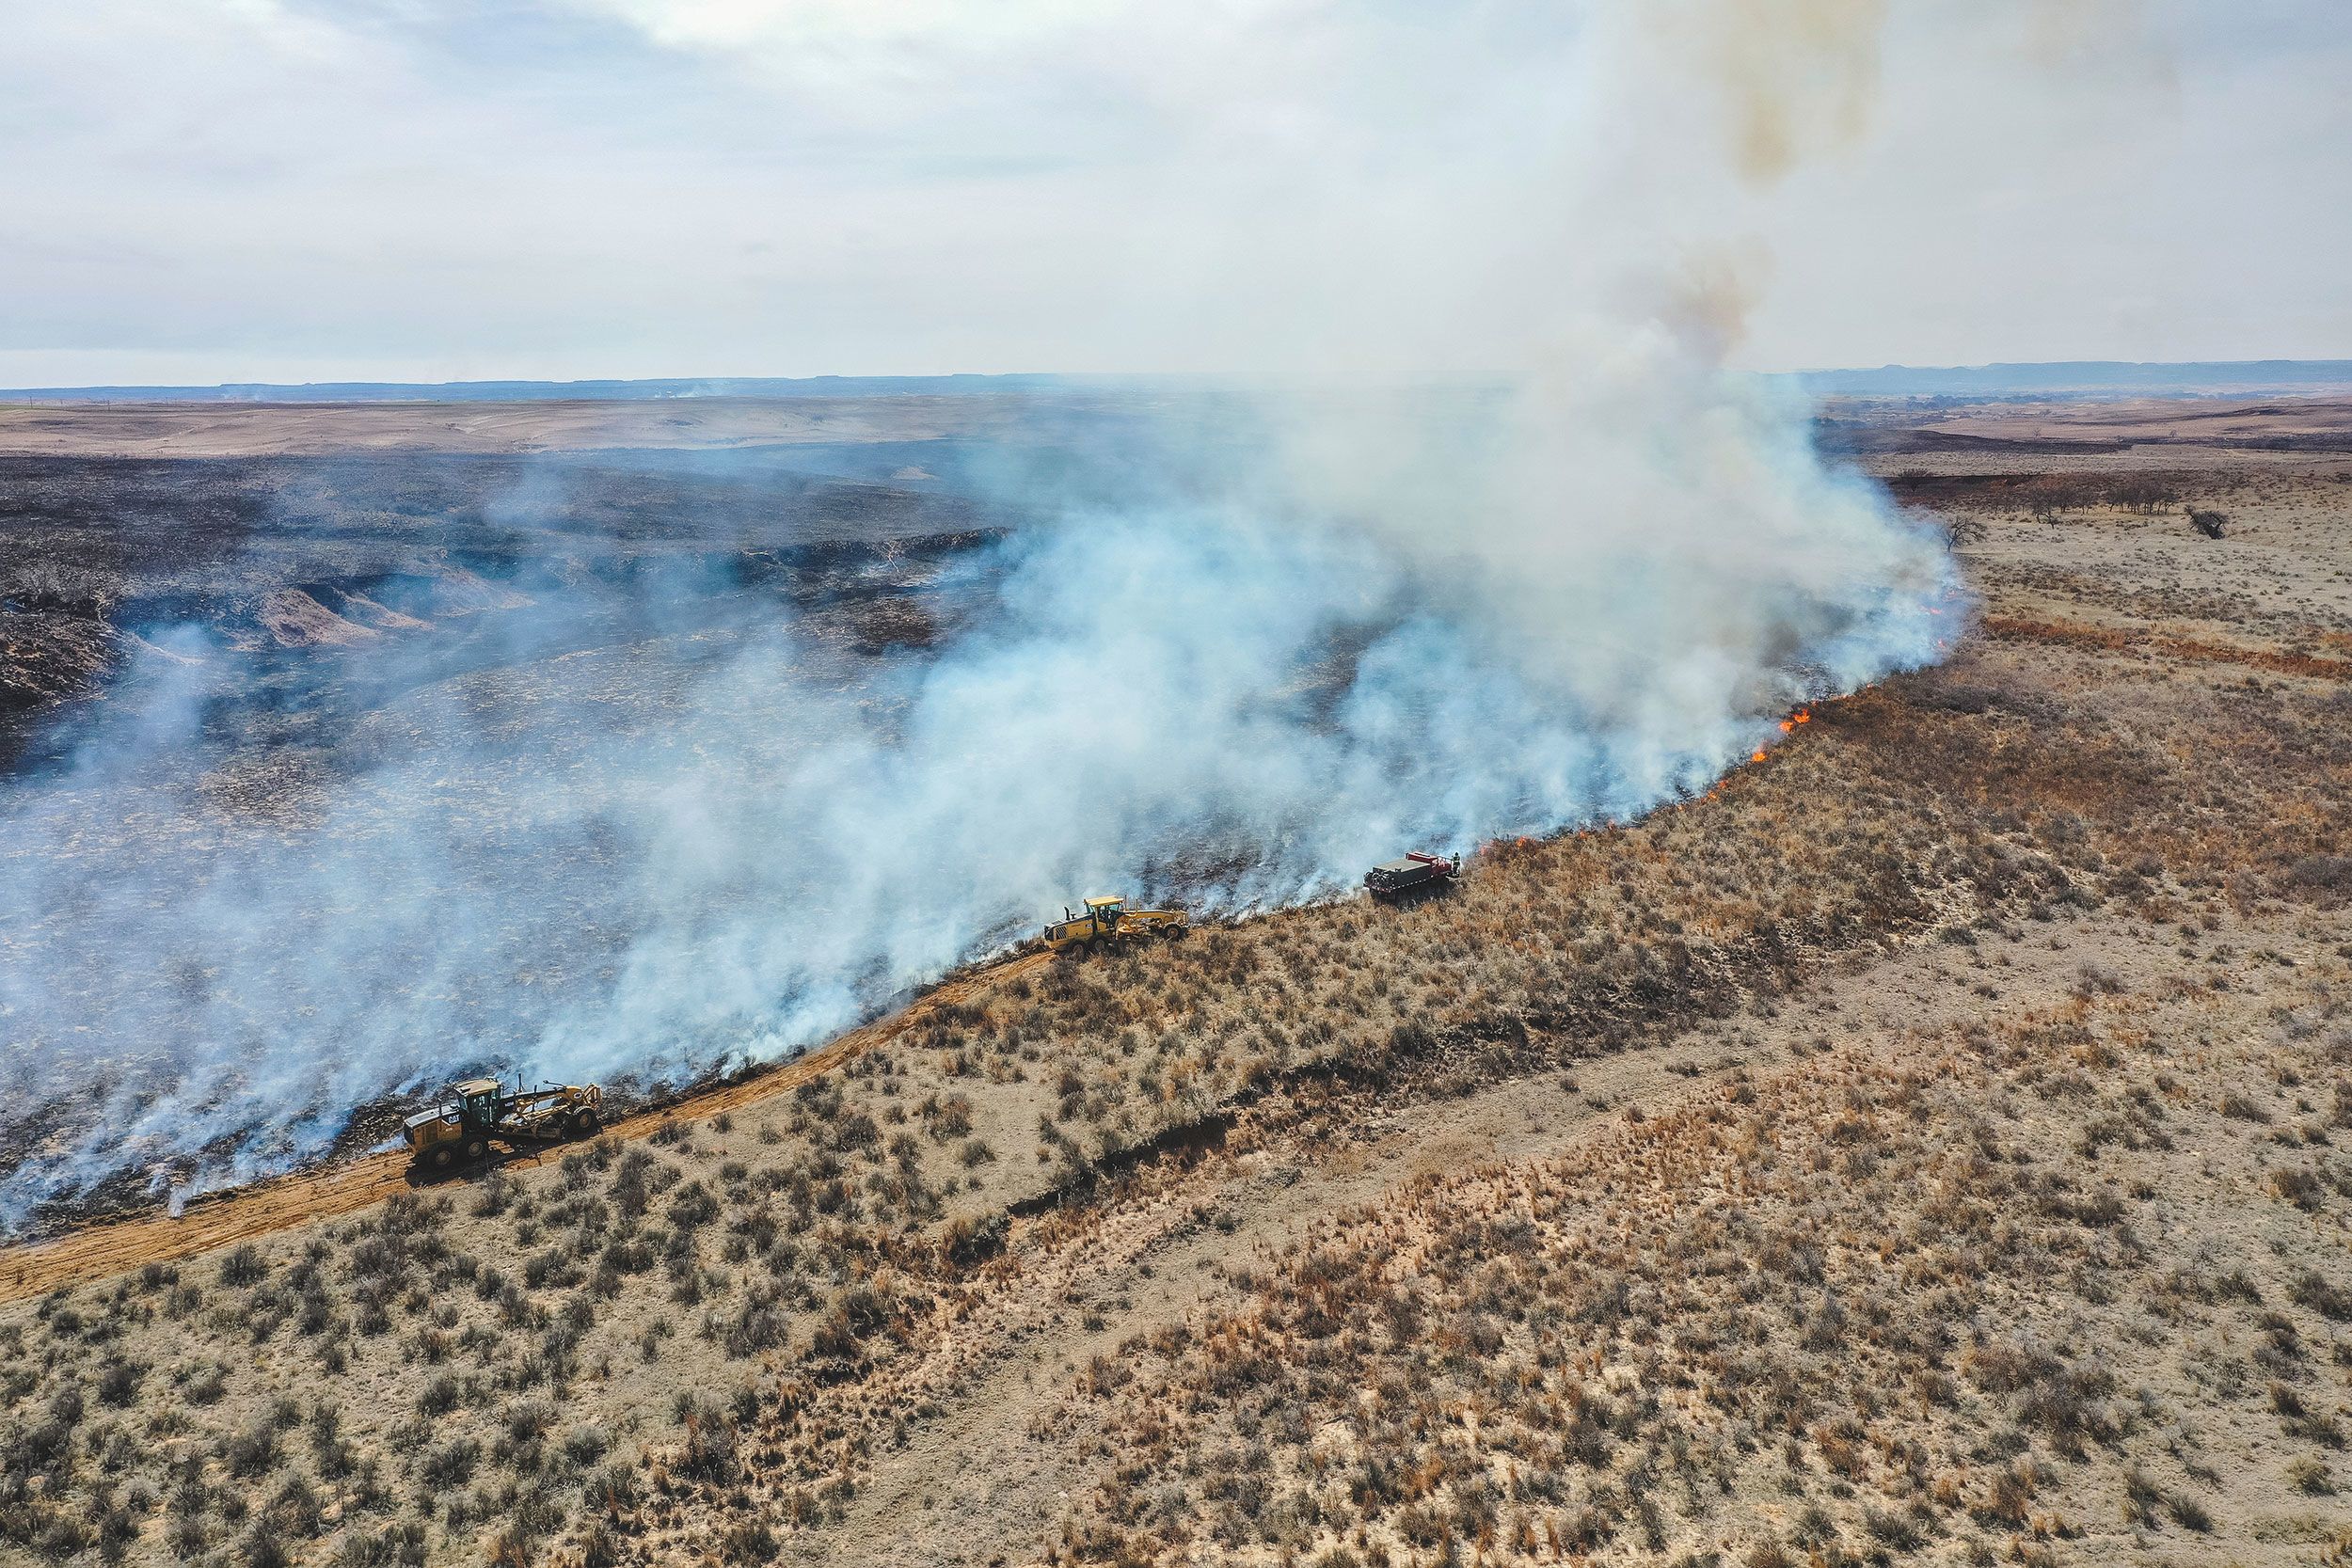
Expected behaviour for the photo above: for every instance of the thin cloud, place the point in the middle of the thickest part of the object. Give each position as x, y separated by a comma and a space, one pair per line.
587, 188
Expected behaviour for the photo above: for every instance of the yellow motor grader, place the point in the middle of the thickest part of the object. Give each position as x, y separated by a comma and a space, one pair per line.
459, 1130
1108, 920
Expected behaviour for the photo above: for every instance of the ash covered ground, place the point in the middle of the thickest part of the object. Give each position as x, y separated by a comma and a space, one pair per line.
211, 664
335, 772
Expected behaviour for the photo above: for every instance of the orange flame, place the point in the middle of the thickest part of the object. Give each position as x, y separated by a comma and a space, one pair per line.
1759, 756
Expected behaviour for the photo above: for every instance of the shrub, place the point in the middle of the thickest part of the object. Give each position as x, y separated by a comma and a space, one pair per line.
970, 1239
451, 1464
2324, 874
550, 1268
758, 1325
947, 1119
496, 1190
119, 1384
584, 1445
709, 1454
610, 1491
693, 1208
296, 1509
2299, 1187
749, 1540
2188, 1513
439, 1396
208, 1386
401, 1543
529, 1418
2309, 1289
263, 1548
599, 1548
252, 1452
2310, 1475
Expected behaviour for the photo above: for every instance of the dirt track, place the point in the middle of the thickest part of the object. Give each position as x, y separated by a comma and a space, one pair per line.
243, 1213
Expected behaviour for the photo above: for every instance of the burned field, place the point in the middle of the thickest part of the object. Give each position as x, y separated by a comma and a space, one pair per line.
207, 654
282, 558
643, 768
1926, 1144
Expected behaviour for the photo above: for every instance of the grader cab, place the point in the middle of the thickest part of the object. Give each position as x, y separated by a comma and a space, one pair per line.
460, 1130
1108, 920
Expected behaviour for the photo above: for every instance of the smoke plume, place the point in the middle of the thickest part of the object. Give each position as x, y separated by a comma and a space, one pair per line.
1527, 557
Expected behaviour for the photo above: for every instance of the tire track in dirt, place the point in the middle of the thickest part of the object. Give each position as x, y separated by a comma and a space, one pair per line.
281, 1202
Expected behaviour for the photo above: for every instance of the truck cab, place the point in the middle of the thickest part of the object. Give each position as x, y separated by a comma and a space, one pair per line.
456, 1131
477, 1103
1100, 919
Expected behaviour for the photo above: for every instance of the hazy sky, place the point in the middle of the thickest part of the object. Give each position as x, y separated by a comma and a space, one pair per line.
206, 190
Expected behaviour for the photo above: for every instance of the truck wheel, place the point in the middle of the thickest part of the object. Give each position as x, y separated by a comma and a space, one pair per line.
441, 1159
582, 1125
477, 1149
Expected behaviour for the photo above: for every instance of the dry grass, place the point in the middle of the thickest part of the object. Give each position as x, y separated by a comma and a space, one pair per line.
1873, 1307
1999, 1290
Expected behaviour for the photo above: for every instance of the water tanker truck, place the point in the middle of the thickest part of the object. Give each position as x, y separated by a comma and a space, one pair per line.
1415, 873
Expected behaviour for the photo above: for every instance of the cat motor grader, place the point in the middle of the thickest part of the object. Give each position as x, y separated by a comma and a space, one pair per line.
1107, 920
459, 1130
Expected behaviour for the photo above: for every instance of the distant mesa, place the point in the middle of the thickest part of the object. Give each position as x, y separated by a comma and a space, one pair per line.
2085, 378
2088, 378
540, 391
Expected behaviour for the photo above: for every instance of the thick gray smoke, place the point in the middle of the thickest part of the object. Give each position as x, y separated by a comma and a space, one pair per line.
657, 859
1584, 583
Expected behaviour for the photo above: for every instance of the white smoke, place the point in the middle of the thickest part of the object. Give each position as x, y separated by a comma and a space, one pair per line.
1529, 559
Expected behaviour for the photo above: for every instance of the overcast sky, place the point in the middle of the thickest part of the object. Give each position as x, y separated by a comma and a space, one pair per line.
207, 190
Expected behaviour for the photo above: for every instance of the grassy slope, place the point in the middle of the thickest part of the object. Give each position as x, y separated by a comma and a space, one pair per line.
1862, 1279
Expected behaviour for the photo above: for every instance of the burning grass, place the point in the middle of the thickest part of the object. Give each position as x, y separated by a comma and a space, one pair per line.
801, 1259
1997, 1290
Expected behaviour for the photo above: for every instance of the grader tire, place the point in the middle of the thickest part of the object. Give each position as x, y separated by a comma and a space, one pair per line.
582, 1125
441, 1159
477, 1149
